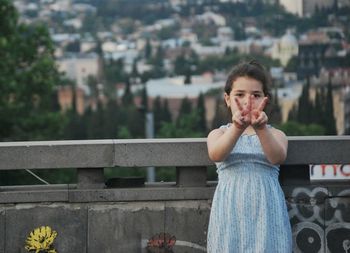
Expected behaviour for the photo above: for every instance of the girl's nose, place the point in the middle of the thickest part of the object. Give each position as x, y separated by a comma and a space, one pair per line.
246, 100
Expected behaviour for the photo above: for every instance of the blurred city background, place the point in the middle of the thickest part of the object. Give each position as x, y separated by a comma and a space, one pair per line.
125, 69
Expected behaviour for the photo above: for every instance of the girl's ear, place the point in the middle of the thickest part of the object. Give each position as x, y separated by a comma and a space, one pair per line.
227, 100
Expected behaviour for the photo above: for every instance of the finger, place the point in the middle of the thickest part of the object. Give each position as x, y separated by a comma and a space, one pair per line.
263, 104
238, 123
250, 101
239, 106
261, 120
256, 114
245, 112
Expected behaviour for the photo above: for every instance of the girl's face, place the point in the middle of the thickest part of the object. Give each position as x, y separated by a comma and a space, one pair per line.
242, 89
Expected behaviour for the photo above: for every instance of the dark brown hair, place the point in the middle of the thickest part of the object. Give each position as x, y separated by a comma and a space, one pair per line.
251, 69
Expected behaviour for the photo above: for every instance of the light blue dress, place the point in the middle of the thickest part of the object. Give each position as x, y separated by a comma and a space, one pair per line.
249, 212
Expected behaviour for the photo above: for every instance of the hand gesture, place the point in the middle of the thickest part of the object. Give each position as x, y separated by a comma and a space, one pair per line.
256, 117
242, 117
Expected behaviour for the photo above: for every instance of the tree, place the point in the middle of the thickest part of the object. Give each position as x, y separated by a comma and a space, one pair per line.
330, 123
201, 112
188, 79
166, 114
185, 108
148, 50
144, 99
111, 119
134, 71
96, 123
28, 77
292, 128
128, 98
276, 112
222, 114
293, 113
157, 112
305, 107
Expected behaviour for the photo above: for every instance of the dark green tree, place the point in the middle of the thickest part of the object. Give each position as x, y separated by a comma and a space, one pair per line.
128, 98
166, 114
111, 113
305, 106
293, 113
185, 108
276, 111
222, 114
134, 71
144, 99
96, 123
292, 128
28, 77
157, 113
201, 112
319, 107
148, 49
330, 123
188, 78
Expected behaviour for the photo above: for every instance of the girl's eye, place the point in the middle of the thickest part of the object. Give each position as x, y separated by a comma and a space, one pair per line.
239, 95
257, 95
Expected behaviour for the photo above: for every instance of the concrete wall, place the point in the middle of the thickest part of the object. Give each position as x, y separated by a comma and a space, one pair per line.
108, 227
95, 221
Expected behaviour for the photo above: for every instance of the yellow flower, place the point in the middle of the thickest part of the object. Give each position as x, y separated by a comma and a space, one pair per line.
41, 239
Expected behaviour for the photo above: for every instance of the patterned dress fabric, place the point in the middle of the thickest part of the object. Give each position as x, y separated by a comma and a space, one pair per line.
249, 213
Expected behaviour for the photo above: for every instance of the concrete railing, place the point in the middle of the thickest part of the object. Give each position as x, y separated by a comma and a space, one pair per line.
188, 155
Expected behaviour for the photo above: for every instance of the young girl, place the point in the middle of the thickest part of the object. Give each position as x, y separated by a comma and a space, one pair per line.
249, 213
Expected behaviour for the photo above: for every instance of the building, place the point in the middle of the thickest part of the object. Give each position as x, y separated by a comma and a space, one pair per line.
305, 7
78, 67
323, 48
285, 48
347, 111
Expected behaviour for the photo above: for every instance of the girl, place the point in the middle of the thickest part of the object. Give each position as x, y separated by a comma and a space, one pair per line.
249, 213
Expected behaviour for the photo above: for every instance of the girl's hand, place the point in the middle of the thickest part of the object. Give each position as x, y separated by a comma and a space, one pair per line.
258, 116
242, 118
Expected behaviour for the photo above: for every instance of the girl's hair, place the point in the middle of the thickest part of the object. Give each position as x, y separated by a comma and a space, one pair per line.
251, 69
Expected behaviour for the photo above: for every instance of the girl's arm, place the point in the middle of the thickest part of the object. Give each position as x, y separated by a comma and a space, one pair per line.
274, 143
220, 142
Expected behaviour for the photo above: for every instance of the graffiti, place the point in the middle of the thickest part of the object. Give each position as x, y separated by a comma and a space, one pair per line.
165, 243
41, 240
330, 171
162, 242
320, 221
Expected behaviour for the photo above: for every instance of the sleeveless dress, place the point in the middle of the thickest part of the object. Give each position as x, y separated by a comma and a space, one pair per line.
249, 212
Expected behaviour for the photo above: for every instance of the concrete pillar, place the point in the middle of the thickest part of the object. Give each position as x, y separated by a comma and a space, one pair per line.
191, 176
90, 178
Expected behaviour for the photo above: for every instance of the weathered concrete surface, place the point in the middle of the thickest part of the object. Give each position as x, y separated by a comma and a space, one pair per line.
56, 154
319, 214
188, 222
154, 152
2, 230
70, 222
141, 194
109, 227
34, 196
124, 227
